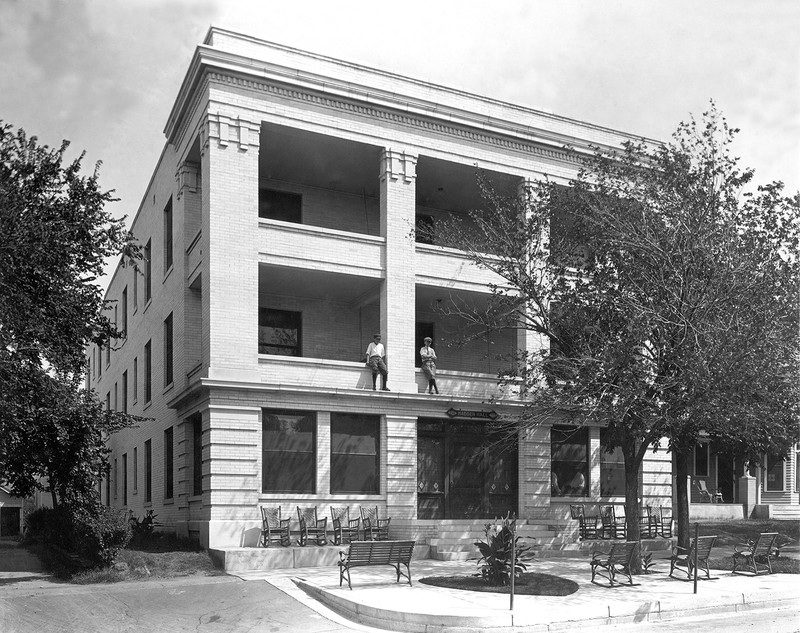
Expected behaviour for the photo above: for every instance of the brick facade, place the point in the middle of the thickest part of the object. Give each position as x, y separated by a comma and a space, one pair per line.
366, 152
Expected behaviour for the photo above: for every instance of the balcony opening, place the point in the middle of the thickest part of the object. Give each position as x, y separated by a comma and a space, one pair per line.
318, 180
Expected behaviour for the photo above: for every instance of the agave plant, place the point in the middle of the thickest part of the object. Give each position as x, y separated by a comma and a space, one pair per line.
495, 561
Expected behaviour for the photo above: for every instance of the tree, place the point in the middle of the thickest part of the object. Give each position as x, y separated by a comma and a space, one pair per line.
668, 297
55, 236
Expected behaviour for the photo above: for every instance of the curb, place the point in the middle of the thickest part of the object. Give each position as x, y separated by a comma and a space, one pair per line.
610, 614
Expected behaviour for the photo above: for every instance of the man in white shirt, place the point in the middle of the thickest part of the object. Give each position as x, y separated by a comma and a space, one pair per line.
376, 361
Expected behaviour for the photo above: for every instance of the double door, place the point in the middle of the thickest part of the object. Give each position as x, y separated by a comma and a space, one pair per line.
464, 471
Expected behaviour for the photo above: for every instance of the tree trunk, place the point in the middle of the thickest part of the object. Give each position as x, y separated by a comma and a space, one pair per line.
632, 509
682, 497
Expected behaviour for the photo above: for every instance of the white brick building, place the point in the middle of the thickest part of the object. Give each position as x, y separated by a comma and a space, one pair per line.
278, 224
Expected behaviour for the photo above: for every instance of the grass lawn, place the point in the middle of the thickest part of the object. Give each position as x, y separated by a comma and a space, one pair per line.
730, 533
160, 556
733, 532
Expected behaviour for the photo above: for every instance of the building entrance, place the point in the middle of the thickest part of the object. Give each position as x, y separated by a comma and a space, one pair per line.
463, 472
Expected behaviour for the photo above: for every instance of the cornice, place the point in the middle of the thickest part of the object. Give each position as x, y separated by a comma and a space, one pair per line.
358, 89
385, 114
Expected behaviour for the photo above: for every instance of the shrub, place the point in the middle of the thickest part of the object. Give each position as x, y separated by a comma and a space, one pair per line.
495, 561
49, 526
101, 532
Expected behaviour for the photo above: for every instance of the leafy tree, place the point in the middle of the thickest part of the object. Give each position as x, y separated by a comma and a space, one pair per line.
667, 294
55, 236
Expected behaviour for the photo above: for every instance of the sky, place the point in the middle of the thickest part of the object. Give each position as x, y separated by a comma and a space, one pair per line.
104, 74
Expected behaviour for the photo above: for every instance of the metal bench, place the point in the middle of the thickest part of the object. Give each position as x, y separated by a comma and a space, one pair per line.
616, 561
682, 560
752, 555
368, 553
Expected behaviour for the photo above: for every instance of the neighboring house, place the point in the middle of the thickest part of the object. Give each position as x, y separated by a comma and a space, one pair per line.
278, 237
11, 514
774, 485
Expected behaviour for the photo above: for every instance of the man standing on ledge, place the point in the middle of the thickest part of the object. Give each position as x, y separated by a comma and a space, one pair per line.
376, 361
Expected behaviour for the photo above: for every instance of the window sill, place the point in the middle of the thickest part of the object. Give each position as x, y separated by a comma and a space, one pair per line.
168, 273
169, 502
147, 304
168, 388
147, 405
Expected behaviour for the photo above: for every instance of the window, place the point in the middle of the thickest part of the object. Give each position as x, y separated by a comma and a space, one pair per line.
148, 271
168, 464
168, 236
108, 354
135, 379
701, 460
108, 488
116, 478
424, 229
612, 469
279, 332
354, 453
125, 391
280, 205
148, 471
135, 470
197, 456
108, 401
99, 361
125, 479
93, 366
569, 450
124, 325
168, 350
774, 473
116, 398
290, 456
135, 289
148, 386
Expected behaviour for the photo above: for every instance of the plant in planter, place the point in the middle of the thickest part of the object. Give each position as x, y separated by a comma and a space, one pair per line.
495, 562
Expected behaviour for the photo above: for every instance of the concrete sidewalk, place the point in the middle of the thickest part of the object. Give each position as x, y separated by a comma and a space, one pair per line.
376, 600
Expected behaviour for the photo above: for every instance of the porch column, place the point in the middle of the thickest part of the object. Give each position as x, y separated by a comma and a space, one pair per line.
530, 342
399, 469
398, 208
230, 237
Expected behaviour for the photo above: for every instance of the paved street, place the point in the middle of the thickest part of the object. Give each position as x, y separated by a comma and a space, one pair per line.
221, 605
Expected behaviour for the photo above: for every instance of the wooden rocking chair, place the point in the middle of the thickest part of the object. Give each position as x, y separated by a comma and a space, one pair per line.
311, 527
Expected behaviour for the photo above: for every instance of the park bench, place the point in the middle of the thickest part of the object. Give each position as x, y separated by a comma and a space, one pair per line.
617, 561
752, 554
684, 558
369, 553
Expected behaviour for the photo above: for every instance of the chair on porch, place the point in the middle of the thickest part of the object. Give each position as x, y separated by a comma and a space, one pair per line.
705, 495
345, 529
587, 525
273, 527
311, 527
375, 529
612, 526
647, 523
662, 520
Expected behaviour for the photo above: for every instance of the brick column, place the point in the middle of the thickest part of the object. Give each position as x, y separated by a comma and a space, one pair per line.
527, 340
230, 238
398, 204
234, 475
400, 467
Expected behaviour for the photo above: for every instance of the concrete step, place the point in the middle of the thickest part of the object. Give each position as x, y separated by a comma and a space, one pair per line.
252, 558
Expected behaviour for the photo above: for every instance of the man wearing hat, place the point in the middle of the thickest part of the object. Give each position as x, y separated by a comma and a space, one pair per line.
376, 361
